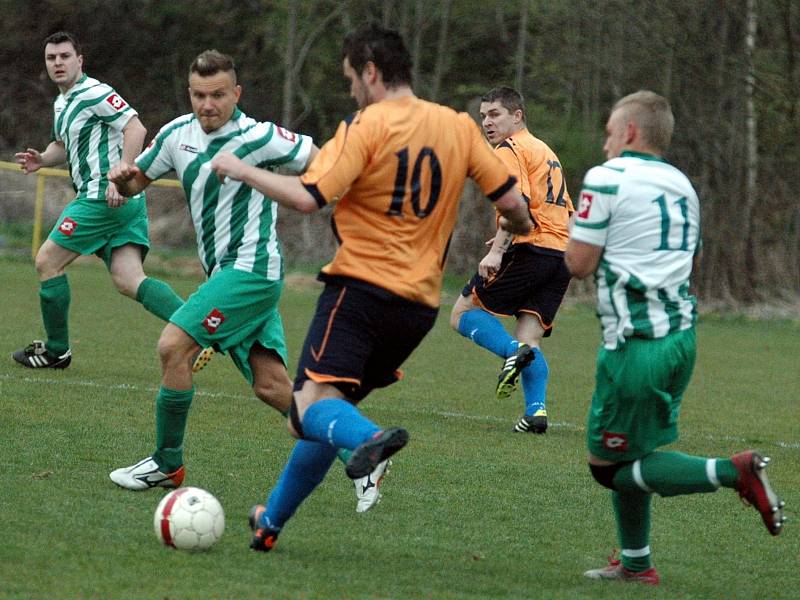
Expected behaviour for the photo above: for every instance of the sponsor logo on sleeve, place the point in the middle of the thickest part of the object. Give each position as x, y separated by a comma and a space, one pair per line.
585, 205
616, 442
287, 135
213, 320
67, 226
116, 101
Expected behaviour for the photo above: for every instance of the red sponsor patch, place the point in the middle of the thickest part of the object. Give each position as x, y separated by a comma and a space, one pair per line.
616, 442
585, 205
287, 135
67, 226
117, 102
213, 321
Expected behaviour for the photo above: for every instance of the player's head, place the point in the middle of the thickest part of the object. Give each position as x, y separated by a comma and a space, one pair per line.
641, 121
213, 89
502, 113
63, 59
374, 55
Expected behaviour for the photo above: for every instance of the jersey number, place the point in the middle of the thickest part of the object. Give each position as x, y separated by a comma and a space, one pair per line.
399, 193
550, 199
666, 223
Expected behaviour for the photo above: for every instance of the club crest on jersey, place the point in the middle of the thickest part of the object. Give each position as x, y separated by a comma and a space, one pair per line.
117, 102
585, 205
616, 442
287, 135
67, 226
213, 320
188, 148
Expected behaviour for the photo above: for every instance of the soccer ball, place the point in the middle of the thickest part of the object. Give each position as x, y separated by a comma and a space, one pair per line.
189, 519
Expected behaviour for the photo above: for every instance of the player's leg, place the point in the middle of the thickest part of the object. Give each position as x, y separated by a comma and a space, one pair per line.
271, 382
534, 375
54, 300
129, 278
481, 327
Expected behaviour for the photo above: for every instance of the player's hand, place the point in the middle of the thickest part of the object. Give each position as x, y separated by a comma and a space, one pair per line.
227, 166
113, 197
490, 265
29, 161
122, 172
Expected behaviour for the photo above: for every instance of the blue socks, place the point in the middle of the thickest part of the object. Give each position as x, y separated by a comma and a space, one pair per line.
488, 332
534, 383
337, 423
306, 468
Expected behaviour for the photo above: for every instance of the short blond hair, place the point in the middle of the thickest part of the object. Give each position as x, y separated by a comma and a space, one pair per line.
653, 115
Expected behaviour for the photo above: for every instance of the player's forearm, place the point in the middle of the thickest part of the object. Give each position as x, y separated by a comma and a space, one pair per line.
132, 140
284, 189
54, 154
502, 240
515, 211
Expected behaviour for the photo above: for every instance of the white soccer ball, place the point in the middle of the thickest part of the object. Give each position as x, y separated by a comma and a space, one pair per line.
189, 519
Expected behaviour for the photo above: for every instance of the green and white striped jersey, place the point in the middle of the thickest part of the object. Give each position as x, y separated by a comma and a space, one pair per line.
645, 214
89, 120
234, 224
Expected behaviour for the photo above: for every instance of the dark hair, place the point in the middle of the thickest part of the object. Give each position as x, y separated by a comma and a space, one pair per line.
60, 37
382, 46
509, 98
211, 62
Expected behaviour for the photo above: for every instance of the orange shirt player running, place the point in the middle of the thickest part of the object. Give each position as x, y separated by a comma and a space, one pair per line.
390, 167
541, 182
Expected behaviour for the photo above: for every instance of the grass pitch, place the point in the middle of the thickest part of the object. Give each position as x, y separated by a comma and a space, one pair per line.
470, 510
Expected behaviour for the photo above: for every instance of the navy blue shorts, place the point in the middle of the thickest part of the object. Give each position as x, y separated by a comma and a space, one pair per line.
359, 337
529, 280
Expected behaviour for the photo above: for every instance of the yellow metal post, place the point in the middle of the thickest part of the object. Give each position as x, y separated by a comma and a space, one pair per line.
37, 215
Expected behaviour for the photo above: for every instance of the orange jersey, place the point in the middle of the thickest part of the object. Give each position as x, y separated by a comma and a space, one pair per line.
541, 182
397, 169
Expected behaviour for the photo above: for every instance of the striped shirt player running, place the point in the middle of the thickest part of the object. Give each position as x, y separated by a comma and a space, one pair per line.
94, 128
236, 309
637, 228
395, 171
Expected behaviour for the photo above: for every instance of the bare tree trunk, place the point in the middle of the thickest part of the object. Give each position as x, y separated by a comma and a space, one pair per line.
441, 50
419, 9
522, 39
387, 13
751, 144
288, 65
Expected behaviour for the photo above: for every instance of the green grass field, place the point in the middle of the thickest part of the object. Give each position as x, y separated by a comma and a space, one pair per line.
469, 509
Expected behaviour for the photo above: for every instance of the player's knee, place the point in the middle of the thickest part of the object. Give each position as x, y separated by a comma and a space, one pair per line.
278, 394
293, 423
46, 267
604, 474
458, 311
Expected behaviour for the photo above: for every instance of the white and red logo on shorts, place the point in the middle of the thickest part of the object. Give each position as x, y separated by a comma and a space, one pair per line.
67, 226
213, 320
616, 442
585, 205
287, 135
116, 101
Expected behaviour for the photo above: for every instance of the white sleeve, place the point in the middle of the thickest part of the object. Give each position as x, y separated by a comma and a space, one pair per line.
593, 214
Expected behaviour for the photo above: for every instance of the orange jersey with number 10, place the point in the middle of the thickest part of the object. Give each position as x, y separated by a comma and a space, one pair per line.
397, 169
541, 181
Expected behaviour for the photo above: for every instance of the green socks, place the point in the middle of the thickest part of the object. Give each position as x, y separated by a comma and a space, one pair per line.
54, 300
172, 410
158, 298
675, 473
632, 510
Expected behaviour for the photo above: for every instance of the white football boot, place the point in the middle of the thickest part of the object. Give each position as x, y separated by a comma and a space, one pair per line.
368, 487
145, 475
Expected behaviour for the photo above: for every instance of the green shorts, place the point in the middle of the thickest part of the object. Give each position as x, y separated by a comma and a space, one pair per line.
637, 396
232, 311
90, 227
